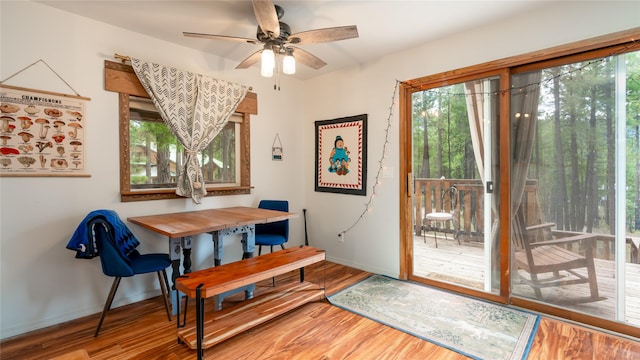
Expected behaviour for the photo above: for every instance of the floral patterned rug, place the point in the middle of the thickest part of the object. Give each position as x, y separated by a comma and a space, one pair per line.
474, 328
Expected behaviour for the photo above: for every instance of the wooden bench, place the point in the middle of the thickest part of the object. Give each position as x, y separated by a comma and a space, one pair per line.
227, 323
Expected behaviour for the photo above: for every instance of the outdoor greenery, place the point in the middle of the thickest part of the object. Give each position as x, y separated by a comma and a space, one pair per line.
441, 136
574, 156
156, 156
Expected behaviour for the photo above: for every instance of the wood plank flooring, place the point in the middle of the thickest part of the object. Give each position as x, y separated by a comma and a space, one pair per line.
464, 265
314, 331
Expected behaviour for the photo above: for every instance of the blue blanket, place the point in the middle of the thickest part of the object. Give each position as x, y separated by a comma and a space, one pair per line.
83, 241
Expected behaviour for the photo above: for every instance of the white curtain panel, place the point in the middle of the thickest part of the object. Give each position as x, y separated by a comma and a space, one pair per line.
195, 107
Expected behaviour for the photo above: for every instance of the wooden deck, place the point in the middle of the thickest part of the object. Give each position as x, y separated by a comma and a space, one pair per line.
463, 265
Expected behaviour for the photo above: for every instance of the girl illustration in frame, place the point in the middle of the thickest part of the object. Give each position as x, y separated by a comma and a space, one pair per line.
339, 158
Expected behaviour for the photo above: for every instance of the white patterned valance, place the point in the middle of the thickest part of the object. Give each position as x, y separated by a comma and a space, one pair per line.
195, 107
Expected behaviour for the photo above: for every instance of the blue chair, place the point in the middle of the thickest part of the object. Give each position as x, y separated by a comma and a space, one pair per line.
275, 233
118, 265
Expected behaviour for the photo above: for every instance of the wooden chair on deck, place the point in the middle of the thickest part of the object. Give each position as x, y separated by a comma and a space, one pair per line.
550, 264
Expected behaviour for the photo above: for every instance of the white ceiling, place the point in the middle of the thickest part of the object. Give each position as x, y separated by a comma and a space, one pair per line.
384, 26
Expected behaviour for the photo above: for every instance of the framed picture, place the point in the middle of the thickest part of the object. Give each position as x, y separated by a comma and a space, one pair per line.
43, 133
341, 155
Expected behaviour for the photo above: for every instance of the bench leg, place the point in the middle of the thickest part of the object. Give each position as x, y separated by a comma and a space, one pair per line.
199, 321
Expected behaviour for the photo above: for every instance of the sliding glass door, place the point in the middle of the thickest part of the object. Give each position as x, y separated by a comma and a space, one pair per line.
575, 135
455, 184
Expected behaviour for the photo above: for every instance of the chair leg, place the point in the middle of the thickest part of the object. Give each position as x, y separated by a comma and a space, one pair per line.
591, 273
107, 305
259, 250
536, 290
162, 279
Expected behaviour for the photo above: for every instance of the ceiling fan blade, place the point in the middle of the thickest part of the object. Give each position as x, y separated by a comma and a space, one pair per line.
221, 37
308, 59
267, 17
251, 60
324, 35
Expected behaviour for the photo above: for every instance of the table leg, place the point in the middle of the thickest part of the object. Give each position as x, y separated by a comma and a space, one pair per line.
186, 252
248, 241
248, 246
217, 248
174, 253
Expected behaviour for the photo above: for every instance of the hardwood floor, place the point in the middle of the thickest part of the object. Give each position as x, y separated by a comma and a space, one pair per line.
464, 265
314, 331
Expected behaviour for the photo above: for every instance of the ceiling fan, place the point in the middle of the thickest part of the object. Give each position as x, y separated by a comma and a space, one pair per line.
276, 38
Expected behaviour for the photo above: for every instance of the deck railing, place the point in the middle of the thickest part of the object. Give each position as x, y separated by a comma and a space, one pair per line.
428, 198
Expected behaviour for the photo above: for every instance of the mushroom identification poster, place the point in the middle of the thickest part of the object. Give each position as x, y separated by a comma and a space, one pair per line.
41, 133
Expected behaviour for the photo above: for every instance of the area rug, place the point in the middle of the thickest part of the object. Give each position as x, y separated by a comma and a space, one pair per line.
474, 328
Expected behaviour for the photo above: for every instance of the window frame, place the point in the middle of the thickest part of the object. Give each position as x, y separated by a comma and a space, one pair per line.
121, 78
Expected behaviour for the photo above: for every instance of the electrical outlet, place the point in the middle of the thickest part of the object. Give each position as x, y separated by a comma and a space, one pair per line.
340, 237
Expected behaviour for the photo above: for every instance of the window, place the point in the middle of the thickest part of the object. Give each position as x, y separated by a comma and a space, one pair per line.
156, 157
150, 155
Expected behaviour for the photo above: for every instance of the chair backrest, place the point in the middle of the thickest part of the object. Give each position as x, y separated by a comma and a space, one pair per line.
450, 200
277, 227
113, 262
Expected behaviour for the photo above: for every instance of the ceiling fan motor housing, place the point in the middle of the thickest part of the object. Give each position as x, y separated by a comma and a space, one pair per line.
285, 31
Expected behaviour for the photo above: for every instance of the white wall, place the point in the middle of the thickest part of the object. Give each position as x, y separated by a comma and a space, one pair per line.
41, 282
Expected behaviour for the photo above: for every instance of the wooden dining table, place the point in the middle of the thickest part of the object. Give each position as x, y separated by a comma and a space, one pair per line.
181, 226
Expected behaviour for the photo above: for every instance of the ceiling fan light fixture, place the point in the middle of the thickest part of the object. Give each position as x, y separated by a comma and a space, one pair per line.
268, 62
289, 63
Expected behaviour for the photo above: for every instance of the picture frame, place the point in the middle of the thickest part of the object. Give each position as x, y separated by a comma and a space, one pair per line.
43, 133
341, 155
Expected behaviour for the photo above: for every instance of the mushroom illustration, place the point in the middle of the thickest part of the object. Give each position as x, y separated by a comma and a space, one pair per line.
26, 148
60, 150
43, 145
9, 108
11, 128
5, 122
57, 137
76, 163
25, 136
9, 151
58, 124
5, 138
59, 163
43, 130
5, 162
75, 155
76, 114
75, 144
53, 112
43, 161
31, 110
26, 161
25, 122
74, 129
